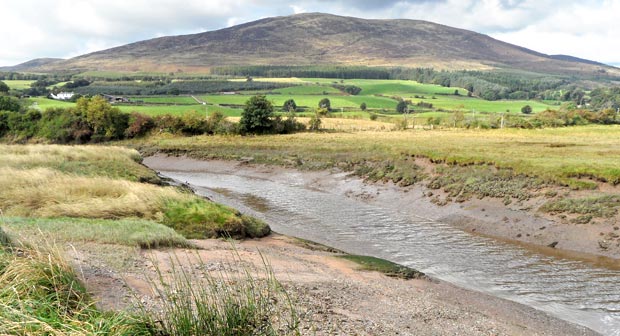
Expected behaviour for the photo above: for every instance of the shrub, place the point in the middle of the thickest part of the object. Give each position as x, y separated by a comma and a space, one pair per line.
9, 104
139, 125
289, 106
325, 104
527, 109
315, 123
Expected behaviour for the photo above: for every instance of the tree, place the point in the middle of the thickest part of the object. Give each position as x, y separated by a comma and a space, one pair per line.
527, 109
363, 106
326, 104
289, 106
256, 116
401, 107
107, 122
3, 87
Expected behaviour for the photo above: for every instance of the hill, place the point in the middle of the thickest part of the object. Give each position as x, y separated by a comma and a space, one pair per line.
32, 64
314, 38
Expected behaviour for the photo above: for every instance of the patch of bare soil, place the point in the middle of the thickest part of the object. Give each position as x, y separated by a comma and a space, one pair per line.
331, 295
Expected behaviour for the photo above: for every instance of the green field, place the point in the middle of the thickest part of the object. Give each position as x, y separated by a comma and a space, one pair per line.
45, 103
180, 109
379, 95
480, 105
18, 84
389, 87
308, 90
152, 110
165, 100
311, 101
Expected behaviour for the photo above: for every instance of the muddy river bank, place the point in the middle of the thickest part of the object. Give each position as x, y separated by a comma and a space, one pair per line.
403, 226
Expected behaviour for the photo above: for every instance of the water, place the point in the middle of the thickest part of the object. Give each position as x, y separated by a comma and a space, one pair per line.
577, 291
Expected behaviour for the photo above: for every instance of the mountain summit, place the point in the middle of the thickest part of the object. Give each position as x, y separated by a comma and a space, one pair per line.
314, 38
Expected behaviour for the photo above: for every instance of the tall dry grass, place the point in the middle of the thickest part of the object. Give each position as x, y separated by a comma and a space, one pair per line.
105, 183
113, 162
43, 192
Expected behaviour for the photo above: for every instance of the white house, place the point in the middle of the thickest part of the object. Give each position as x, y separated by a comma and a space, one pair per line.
63, 95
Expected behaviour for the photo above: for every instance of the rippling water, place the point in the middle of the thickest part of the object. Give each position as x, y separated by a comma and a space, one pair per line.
573, 290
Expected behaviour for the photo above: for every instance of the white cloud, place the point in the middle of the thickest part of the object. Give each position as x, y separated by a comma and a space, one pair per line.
63, 28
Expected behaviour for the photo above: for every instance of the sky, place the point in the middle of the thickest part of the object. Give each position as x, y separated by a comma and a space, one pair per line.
66, 28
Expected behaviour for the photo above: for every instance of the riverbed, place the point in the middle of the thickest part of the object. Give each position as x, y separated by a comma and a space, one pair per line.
341, 211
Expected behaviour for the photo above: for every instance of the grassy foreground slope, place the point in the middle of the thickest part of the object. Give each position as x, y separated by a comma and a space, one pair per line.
107, 183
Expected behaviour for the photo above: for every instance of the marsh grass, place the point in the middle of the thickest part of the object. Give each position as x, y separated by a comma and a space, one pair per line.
129, 232
577, 157
88, 161
249, 301
189, 217
43, 192
49, 182
463, 183
41, 295
597, 206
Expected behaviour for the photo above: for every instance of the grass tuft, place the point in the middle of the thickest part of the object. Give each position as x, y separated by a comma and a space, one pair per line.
225, 303
130, 232
597, 206
197, 218
41, 295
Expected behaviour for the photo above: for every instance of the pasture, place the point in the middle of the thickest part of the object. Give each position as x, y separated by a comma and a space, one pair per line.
18, 84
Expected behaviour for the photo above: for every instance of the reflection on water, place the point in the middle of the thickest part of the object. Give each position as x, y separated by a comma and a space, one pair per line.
574, 290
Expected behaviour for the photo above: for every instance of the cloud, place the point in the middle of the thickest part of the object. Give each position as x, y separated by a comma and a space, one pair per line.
65, 28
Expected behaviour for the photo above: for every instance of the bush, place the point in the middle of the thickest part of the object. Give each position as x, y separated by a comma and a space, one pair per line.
63, 126
289, 106
168, 123
325, 104
139, 125
315, 123
9, 104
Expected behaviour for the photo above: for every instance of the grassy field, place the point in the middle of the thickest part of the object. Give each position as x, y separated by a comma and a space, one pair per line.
308, 90
152, 110
570, 156
106, 183
311, 101
389, 87
166, 99
18, 84
467, 104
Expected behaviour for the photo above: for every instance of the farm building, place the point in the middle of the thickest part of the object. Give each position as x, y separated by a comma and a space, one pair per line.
62, 95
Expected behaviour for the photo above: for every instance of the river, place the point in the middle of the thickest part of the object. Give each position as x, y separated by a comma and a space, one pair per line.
573, 290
